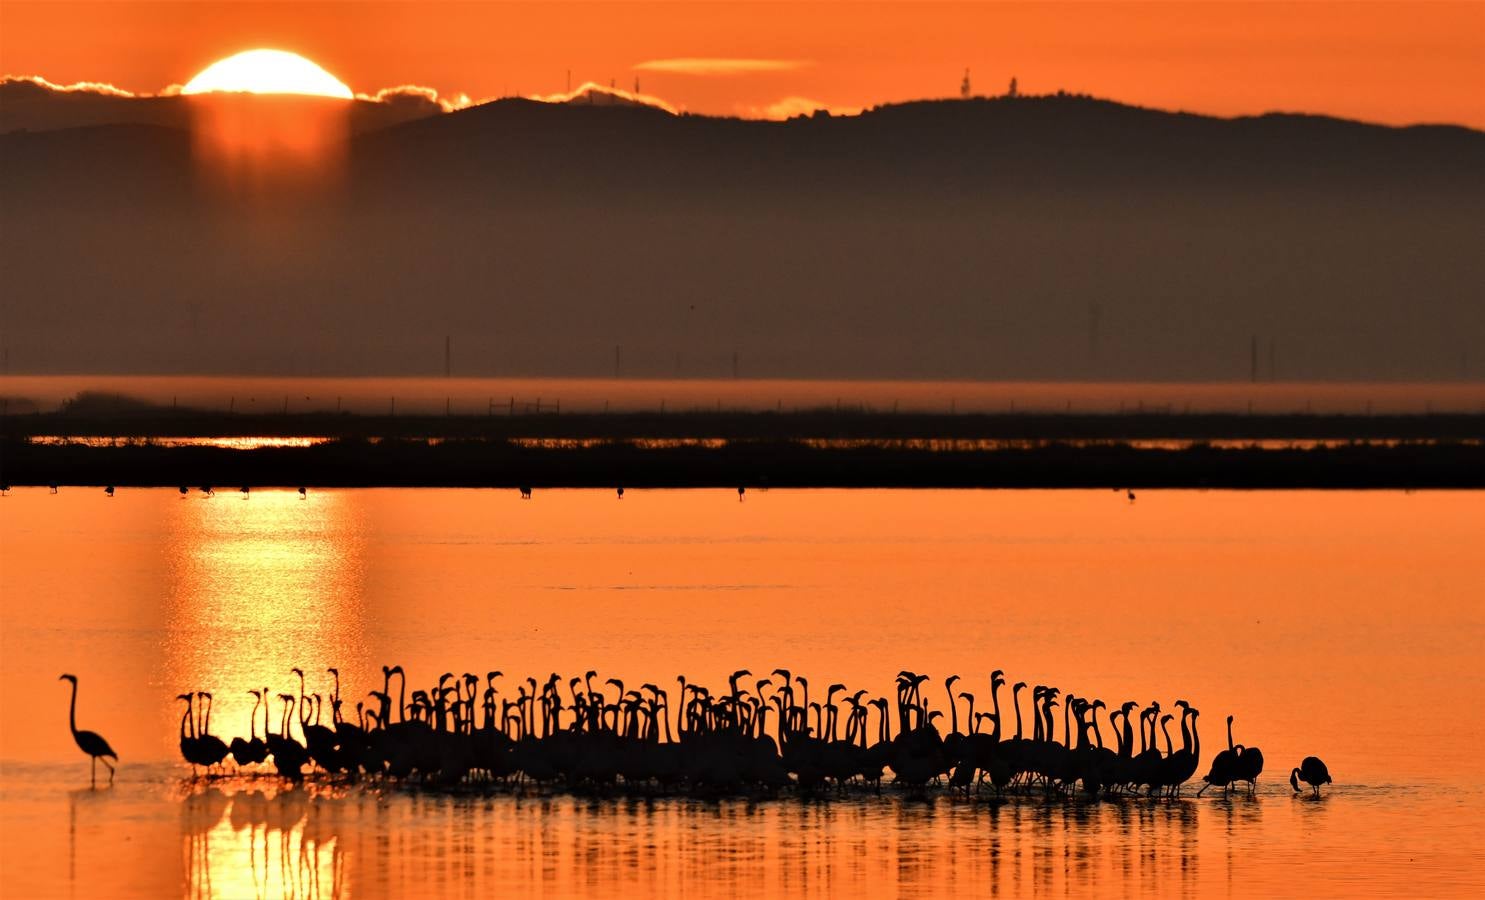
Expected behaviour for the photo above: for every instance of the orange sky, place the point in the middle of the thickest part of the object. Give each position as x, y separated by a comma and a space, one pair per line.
1395, 62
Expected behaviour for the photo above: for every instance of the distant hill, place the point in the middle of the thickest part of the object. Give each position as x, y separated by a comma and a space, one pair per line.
1048, 238
27, 106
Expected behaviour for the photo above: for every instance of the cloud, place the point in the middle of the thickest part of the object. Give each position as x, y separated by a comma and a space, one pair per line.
417, 95
789, 107
79, 87
713, 66
603, 95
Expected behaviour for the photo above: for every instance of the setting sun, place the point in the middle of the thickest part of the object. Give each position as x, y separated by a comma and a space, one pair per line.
267, 72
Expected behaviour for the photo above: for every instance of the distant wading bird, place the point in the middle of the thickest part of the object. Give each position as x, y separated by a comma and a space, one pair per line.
1312, 772
89, 742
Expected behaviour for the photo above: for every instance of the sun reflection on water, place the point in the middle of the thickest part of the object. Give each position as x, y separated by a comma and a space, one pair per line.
276, 582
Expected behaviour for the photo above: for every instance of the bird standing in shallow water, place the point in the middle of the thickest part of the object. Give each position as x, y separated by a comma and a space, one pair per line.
1312, 772
89, 742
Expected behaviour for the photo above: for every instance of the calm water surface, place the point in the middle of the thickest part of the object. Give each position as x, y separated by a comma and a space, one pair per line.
1347, 625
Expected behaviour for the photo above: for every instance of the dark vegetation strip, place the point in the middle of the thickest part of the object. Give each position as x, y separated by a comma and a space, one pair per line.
754, 464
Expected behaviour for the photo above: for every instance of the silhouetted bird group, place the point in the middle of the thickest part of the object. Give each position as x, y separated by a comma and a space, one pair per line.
759, 735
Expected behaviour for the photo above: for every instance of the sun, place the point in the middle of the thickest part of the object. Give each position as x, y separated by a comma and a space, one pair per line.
267, 72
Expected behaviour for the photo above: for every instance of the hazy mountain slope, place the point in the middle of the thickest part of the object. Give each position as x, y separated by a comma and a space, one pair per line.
931, 239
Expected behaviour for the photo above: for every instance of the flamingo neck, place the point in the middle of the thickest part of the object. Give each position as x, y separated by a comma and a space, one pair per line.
72, 710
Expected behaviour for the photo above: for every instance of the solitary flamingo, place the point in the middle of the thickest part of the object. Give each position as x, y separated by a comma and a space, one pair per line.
303, 492
740, 492
184, 491
621, 493
525, 492
1312, 772
89, 742
108, 490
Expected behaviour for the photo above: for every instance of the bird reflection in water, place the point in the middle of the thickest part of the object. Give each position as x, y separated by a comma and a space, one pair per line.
243, 839
248, 843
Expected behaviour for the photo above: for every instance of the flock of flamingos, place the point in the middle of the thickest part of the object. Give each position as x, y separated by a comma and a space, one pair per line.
767, 736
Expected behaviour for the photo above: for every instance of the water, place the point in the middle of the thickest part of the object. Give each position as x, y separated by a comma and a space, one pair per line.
1342, 624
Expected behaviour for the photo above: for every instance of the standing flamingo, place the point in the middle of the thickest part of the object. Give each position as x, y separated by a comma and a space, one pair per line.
89, 742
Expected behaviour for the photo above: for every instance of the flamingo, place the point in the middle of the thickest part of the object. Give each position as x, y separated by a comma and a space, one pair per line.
212, 749
1312, 772
90, 742
253, 750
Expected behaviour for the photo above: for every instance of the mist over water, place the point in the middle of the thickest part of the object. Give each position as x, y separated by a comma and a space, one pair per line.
1326, 622
504, 396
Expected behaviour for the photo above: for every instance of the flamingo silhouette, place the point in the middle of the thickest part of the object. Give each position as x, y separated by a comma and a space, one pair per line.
303, 492
1312, 772
89, 742
108, 490
212, 748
